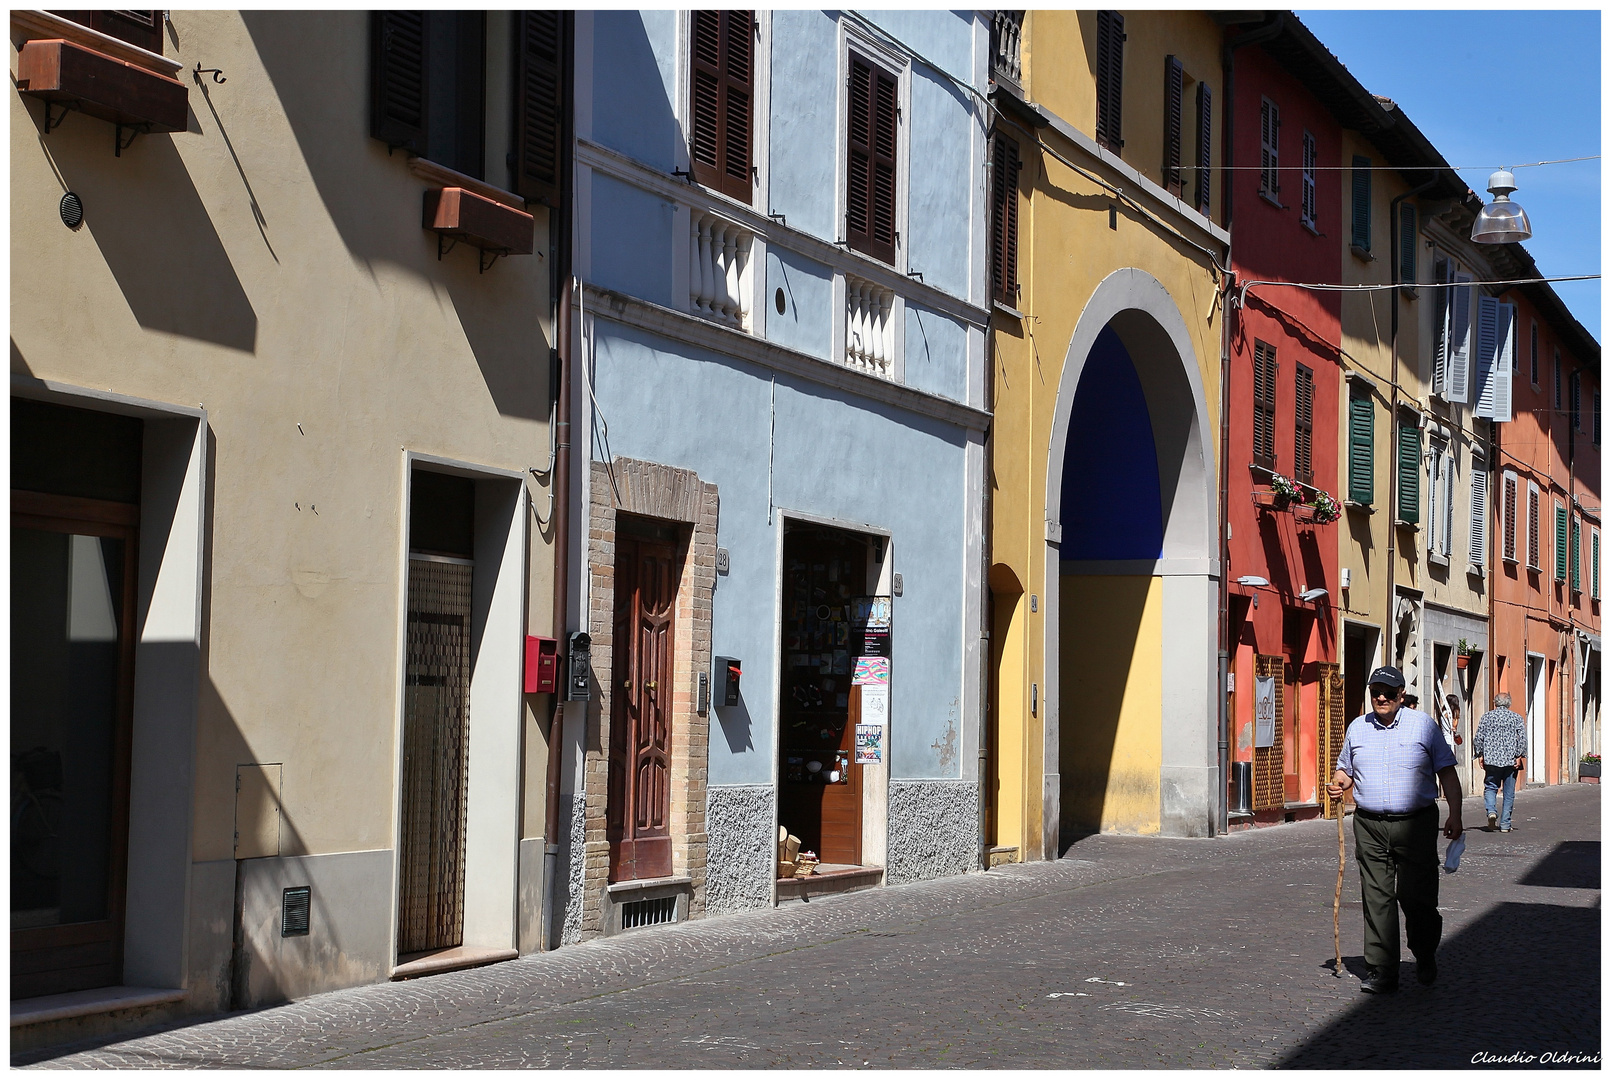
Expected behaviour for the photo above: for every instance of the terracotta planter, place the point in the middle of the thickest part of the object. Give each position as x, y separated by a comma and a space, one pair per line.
1461, 661
1271, 500
1304, 514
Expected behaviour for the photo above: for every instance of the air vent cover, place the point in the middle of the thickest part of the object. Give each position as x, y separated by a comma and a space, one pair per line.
294, 913
661, 909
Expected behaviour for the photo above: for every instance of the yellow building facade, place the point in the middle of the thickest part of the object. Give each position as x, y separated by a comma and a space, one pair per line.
1103, 480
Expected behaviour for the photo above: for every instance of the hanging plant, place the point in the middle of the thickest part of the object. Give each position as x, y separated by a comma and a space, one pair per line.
1326, 508
1286, 492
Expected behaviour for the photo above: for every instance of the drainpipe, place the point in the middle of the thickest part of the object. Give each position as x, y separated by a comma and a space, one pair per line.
1267, 32
560, 294
1388, 616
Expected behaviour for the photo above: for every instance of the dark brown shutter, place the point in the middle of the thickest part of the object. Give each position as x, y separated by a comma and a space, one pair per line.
1264, 369
1205, 133
1304, 425
398, 57
722, 95
870, 184
1174, 91
1004, 221
539, 104
142, 28
1509, 497
1110, 79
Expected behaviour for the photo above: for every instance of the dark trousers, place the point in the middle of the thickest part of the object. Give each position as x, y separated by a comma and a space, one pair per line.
1398, 868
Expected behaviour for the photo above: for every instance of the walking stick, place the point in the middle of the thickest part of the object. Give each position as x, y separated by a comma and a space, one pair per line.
1336, 900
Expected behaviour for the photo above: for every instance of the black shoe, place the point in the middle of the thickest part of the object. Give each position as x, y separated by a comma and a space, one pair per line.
1426, 971
1377, 982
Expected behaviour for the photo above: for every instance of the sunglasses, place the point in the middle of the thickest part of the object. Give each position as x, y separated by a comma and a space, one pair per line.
1387, 692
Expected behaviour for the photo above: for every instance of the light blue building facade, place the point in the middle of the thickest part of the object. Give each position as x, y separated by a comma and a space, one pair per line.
760, 393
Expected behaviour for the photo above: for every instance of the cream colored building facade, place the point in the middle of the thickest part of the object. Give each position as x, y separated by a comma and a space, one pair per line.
256, 294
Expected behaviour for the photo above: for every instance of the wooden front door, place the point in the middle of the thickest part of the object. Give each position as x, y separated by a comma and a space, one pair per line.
639, 808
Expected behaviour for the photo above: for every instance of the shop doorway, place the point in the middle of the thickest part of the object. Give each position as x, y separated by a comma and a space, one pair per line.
825, 571
1359, 649
1535, 717
638, 814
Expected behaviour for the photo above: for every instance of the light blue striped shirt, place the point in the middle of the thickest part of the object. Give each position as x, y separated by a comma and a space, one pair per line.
1395, 766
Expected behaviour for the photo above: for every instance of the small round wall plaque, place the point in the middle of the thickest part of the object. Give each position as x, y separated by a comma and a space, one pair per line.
72, 211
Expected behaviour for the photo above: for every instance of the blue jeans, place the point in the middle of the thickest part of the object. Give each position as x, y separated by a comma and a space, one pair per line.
1498, 776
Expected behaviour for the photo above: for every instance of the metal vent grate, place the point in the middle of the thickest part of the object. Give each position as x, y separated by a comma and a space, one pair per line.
661, 909
294, 911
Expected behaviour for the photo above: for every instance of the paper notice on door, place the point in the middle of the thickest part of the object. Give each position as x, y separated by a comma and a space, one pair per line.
869, 744
871, 671
875, 704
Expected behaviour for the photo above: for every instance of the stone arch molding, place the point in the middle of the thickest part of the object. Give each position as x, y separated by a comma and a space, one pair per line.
1147, 320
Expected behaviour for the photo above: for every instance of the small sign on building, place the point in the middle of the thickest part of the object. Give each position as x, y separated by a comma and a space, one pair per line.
1264, 710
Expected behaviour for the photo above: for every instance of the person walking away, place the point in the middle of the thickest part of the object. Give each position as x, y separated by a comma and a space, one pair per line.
1500, 747
1394, 759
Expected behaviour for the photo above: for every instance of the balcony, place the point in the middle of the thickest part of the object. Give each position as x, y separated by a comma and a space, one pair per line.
719, 278
1006, 39
869, 327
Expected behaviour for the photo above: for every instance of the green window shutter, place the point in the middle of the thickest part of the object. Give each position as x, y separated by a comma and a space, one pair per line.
1409, 473
1594, 565
1577, 556
1361, 238
1560, 542
1361, 449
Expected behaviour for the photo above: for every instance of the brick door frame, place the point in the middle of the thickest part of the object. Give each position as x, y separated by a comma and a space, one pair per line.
679, 498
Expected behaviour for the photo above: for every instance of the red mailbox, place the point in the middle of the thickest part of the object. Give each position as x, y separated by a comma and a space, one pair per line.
542, 665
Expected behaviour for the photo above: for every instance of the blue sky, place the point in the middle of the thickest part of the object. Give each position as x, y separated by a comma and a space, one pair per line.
1493, 88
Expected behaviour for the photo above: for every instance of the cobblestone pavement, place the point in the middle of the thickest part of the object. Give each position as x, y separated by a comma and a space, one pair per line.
1127, 952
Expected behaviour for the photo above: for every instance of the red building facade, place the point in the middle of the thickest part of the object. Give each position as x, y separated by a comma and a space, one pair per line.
1284, 695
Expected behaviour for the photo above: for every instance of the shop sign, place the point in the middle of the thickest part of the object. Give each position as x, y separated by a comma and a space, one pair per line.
869, 744
1264, 710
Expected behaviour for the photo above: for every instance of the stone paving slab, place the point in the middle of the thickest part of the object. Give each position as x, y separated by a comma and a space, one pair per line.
1128, 952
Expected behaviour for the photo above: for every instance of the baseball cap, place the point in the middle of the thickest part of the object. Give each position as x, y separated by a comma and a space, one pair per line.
1387, 676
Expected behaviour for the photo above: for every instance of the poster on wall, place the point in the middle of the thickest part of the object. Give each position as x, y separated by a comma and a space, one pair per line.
1264, 711
871, 671
869, 744
875, 704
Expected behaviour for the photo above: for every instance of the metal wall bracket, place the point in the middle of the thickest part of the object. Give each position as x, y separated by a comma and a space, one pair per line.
484, 263
135, 130
440, 250
51, 125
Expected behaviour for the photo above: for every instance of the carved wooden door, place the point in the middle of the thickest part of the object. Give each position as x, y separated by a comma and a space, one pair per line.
639, 805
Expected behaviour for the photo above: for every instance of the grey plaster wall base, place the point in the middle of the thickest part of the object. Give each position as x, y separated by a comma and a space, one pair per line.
1188, 804
573, 837
212, 930
741, 848
933, 829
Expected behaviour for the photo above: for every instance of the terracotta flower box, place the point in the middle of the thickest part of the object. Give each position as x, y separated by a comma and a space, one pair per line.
102, 86
479, 221
1271, 500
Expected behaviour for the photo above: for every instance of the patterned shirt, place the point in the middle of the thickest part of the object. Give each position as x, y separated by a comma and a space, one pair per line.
1395, 766
1501, 738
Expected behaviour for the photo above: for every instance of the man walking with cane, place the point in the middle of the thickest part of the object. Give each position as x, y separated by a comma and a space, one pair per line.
1394, 759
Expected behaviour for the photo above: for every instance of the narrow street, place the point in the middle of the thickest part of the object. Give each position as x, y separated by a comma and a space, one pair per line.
1128, 952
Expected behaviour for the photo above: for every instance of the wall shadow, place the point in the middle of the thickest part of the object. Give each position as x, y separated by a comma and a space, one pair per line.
155, 234
1574, 864
1523, 978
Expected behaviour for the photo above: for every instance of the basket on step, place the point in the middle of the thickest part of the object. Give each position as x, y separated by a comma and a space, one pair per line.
806, 864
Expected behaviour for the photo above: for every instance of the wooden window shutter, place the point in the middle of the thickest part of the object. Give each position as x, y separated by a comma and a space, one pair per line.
142, 28
1575, 400
1361, 449
1174, 94
1310, 205
1205, 144
1409, 472
1434, 516
1361, 203
1303, 424
398, 65
1407, 237
1004, 221
719, 144
539, 104
870, 186
1577, 554
1496, 352
1508, 510
1479, 514
1110, 80
1446, 523
1557, 379
1595, 422
1264, 372
1269, 772
1594, 564
1269, 149
1457, 368
1560, 542
1532, 528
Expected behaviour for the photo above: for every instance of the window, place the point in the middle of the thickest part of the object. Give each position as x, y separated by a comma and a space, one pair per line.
1560, 542
1264, 369
1409, 471
1269, 150
1004, 221
1440, 498
1174, 103
1311, 159
722, 94
1303, 412
1361, 448
1575, 400
1451, 357
1597, 418
1557, 380
142, 28
1533, 561
1576, 556
1361, 204
1407, 237
1205, 144
1495, 358
430, 85
1507, 548
1533, 368
1110, 79
1479, 513
1594, 564
870, 184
